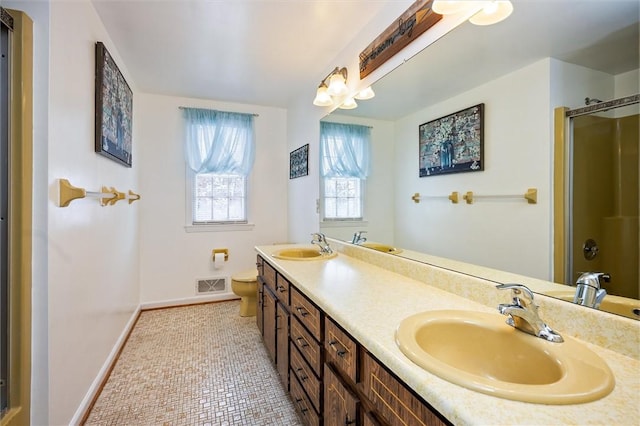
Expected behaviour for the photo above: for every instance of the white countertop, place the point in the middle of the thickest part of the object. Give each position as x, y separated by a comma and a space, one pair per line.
369, 302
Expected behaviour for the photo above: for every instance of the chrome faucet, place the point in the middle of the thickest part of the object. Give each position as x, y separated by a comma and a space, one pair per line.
358, 238
320, 240
588, 289
523, 313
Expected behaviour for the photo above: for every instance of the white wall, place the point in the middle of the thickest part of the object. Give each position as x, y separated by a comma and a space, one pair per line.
379, 187
510, 235
170, 258
92, 250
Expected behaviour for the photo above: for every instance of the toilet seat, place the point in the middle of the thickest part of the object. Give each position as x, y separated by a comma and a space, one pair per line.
246, 276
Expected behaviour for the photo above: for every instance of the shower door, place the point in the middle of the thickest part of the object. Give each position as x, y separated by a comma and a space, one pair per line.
605, 198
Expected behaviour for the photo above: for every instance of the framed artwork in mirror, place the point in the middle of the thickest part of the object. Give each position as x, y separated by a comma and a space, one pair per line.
114, 109
453, 143
299, 162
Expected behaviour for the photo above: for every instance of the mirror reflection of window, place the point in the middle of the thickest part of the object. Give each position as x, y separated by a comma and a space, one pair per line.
344, 165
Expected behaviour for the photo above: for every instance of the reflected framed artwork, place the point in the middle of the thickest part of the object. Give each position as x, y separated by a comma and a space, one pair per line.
114, 109
453, 143
299, 162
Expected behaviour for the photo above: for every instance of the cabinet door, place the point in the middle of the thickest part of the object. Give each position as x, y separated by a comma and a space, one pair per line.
269, 322
260, 306
395, 403
340, 405
282, 342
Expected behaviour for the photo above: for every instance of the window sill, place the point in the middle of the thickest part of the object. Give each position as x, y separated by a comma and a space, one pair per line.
219, 227
343, 223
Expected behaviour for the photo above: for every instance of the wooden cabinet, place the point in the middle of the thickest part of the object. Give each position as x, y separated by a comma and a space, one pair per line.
302, 404
392, 399
282, 343
340, 404
332, 379
273, 317
341, 349
269, 321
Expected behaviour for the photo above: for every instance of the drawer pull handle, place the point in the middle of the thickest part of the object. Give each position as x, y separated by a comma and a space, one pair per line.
348, 422
303, 378
281, 289
302, 311
304, 342
334, 346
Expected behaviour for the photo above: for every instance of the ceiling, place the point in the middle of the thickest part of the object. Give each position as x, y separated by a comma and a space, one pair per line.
267, 52
261, 52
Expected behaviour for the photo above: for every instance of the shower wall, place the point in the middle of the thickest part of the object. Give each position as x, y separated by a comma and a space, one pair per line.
605, 199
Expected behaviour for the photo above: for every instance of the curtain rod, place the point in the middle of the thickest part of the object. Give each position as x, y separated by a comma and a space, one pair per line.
255, 115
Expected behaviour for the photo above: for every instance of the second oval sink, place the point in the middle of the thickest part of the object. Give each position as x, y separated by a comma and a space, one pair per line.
302, 254
479, 351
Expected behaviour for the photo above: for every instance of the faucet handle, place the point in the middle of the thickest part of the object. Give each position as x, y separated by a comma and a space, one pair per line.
518, 292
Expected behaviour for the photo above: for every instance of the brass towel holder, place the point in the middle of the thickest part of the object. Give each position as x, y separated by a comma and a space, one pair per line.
108, 196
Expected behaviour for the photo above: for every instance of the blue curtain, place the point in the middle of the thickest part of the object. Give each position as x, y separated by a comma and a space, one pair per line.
219, 142
344, 150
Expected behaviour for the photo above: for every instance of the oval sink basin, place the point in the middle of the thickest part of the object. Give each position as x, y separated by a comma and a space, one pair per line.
614, 304
382, 247
303, 254
479, 351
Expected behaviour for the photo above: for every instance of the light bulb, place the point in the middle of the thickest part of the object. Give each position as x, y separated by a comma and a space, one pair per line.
365, 94
337, 85
349, 103
492, 13
448, 7
322, 97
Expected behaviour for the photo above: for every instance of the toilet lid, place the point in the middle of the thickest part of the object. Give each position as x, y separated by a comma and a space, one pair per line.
246, 276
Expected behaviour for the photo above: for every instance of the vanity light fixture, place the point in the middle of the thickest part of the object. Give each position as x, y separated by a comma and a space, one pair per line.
333, 90
333, 85
492, 13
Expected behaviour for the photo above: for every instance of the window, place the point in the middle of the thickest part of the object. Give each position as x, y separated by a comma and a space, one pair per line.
219, 153
219, 198
342, 198
344, 156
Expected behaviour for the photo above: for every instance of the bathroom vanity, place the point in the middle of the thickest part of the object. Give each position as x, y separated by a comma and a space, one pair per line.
331, 377
329, 326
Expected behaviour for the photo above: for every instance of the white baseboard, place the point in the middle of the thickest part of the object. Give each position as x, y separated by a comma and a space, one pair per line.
189, 301
106, 367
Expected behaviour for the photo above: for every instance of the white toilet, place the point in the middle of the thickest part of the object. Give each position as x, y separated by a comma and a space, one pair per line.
245, 285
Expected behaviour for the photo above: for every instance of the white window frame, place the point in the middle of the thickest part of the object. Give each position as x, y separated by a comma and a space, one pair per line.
343, 220
191, 226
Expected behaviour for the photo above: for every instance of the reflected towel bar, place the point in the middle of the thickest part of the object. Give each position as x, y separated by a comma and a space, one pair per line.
453, 197
531, 196
107, 196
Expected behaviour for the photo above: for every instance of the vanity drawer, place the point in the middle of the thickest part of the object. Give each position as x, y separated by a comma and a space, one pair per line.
305, 375
307, 313
393, 400
307, 345
269, 276
300, 400
340, 349
282, 289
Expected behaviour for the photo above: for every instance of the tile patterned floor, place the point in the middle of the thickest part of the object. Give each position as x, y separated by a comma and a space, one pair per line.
194, 365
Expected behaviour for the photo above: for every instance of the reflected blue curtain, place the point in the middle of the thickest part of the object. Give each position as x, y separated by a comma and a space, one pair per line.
219, 142
344, 150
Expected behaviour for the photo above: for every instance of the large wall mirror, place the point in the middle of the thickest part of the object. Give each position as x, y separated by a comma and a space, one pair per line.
547, 54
